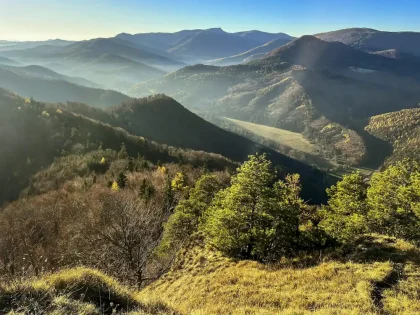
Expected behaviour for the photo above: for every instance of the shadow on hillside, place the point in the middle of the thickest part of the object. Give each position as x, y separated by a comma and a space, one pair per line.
377, 150
365, 250
368, 249
350, 103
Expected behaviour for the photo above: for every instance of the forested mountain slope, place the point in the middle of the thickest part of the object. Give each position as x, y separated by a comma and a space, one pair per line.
33, 134
162, 119
54, 130
401, 129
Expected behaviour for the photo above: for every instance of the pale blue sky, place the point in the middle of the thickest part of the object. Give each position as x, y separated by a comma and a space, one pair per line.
77, 19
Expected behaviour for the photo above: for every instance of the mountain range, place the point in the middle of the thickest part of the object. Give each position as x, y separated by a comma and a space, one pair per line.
325, 87
323, 90
200, 45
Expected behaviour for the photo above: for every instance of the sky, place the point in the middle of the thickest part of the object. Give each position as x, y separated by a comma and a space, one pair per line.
85, 19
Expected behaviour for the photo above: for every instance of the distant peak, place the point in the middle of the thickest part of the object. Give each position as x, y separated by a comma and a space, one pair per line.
215, 30
307, 38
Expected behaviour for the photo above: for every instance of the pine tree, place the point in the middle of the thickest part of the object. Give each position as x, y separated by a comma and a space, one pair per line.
345, 218
147, 190
394, 200
122, 154
121, 180
254, 217
168, 195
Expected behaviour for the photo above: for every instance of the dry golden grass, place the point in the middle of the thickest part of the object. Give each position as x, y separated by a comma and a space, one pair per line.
74, 291
404, 298
203, 282
291, 139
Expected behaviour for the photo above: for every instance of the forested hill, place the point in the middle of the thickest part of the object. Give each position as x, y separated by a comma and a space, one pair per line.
162, 119
33, 134
54, 131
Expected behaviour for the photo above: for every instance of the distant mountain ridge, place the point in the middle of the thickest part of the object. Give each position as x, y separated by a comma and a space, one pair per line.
372, 40
8, 62
257, 52
45, 73
19, 45
45, 85
204, 44
109, 62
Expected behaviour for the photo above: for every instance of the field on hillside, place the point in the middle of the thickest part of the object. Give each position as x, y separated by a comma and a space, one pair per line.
291, 139
299, 143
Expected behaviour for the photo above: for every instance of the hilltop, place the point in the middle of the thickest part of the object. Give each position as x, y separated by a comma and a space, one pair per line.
311, 52
371, 40
164, 120
145, 118
54, 131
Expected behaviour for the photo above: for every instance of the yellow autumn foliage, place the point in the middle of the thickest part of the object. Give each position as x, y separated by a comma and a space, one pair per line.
115, 186
178, 183
162, 170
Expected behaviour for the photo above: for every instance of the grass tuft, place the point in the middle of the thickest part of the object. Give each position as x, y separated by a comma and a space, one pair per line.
75, 291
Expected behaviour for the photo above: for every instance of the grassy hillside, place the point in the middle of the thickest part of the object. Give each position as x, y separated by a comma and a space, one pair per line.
360, 282
377, 276
74, 291
284, 137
